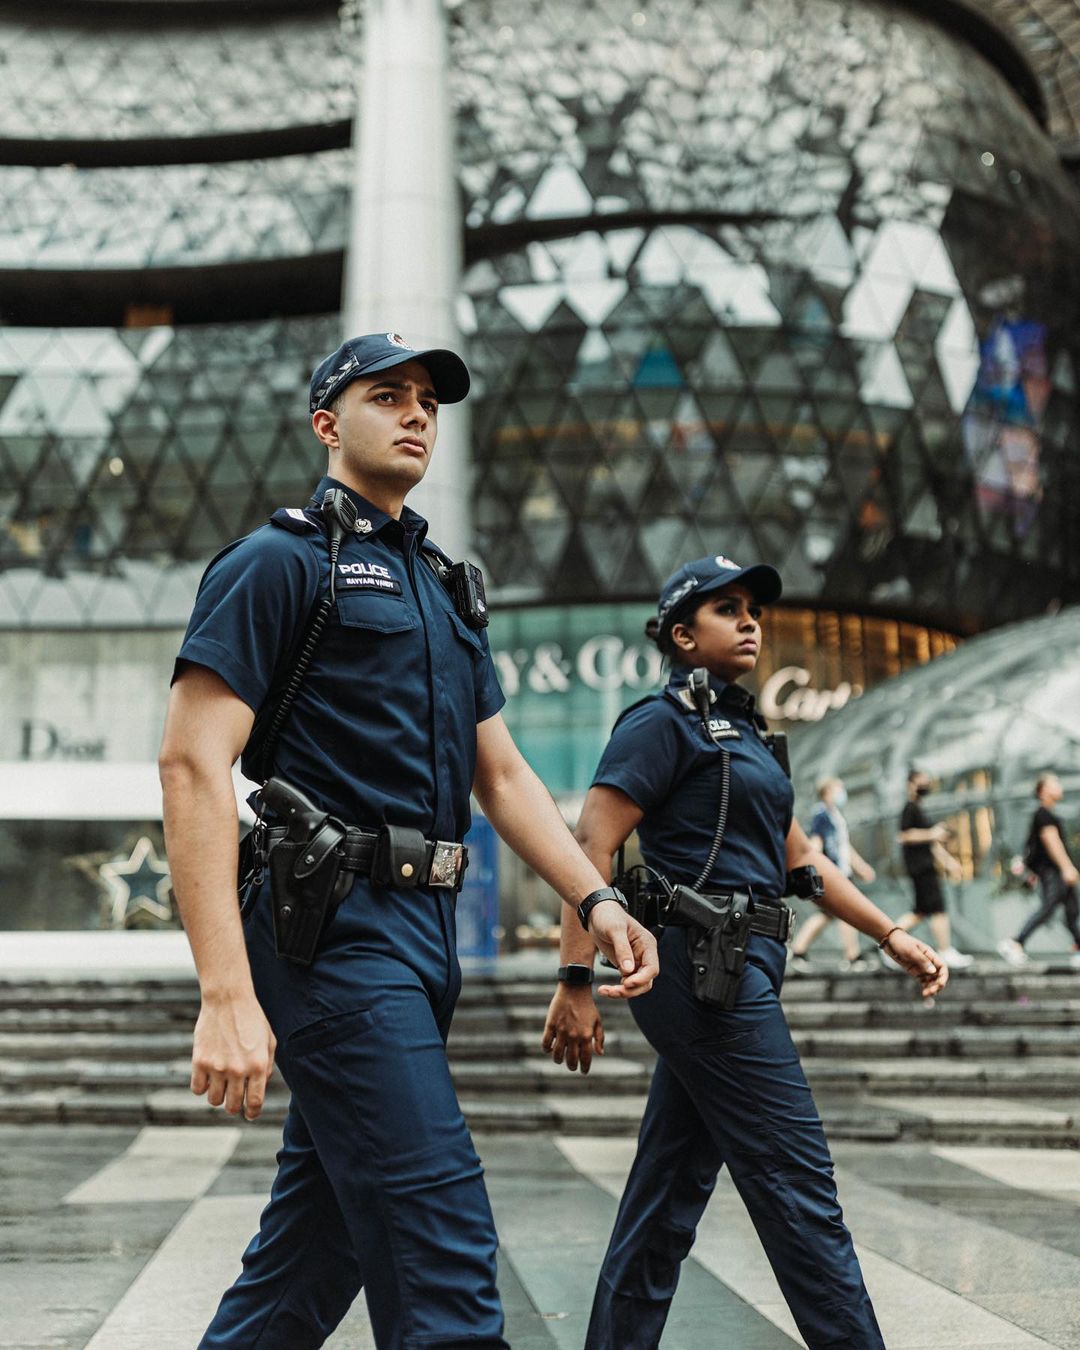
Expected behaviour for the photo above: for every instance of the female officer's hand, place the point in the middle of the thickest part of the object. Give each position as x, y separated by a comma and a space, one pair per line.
918, 960
573, 1028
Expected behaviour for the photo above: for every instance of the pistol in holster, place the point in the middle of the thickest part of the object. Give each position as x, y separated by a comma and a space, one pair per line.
717, 935
307, 882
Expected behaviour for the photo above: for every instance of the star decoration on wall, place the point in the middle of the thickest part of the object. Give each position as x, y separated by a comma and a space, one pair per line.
138, 887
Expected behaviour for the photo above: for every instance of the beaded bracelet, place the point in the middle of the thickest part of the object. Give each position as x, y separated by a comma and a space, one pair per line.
894, 929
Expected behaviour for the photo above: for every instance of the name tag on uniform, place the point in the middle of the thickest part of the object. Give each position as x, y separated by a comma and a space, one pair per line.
722, 730
368, 577
380, 585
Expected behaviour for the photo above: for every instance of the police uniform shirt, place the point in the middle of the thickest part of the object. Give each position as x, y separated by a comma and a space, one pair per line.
383, 729
661, 757
918, 858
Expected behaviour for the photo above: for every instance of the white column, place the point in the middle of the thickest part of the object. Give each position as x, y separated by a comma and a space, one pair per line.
403, 269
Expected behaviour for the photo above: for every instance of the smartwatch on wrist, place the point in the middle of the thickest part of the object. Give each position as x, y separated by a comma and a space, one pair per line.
597, 898
576, 975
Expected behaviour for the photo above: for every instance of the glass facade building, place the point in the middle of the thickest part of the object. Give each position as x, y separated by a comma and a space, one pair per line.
796, 280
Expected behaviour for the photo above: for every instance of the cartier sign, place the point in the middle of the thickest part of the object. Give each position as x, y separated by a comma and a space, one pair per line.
787, 696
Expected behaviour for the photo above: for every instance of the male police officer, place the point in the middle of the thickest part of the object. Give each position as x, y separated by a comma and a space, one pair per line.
396, 717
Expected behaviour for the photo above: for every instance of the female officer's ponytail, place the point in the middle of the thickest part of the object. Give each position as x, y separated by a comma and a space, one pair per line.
662, 638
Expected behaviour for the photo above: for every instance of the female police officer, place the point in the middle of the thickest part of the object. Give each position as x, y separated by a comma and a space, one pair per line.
728, 1087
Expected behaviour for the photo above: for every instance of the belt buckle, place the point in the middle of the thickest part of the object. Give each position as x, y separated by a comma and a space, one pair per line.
447, 865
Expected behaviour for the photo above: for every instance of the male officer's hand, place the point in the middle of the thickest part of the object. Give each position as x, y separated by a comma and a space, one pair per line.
628, 946
233, 1055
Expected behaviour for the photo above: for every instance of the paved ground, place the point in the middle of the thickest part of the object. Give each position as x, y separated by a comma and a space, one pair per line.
123, 1239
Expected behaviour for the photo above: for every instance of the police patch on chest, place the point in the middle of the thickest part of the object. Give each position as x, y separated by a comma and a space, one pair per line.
360, 576
720, 729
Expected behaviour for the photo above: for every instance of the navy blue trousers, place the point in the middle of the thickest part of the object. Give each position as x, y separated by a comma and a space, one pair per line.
378, 1184
729, 1091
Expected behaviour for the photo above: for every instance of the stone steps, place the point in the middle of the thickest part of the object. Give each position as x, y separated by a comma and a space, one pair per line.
611, 1075
135, 1024
1053, 1125
495, 1046
987, 982
996, 1060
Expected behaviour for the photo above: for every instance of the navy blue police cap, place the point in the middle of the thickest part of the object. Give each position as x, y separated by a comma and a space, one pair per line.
695, 580
360, 356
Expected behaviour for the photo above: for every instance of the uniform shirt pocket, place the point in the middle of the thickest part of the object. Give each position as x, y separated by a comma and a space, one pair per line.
377, 613
464, 632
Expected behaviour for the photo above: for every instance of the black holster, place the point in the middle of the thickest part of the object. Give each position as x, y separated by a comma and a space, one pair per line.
718, 929
305, 861
305, 890
301, 900
716, 941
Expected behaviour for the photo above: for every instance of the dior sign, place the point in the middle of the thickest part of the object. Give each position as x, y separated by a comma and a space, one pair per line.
46, 741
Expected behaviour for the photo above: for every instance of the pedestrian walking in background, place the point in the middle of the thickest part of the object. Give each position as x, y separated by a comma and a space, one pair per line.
829, 832
1047, 856
924, 849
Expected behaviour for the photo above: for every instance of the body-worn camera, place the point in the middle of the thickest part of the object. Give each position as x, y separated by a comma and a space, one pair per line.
467, 590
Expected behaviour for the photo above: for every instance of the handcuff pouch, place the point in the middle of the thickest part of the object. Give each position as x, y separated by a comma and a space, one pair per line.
401, 857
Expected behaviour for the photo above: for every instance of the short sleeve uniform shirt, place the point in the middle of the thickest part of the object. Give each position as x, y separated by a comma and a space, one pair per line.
384, 727
661, 757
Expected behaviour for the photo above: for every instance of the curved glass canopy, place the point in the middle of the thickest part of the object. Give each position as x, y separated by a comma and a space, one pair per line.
983, 721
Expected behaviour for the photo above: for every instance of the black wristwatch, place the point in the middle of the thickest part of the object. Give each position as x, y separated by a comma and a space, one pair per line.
576, 975
596, 898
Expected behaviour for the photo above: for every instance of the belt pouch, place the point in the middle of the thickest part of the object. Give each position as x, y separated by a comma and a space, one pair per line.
642, 903
401, 857
301, 896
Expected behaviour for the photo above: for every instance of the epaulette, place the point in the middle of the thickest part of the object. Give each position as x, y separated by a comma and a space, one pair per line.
296, 519
428, 547
649, 698
684, 700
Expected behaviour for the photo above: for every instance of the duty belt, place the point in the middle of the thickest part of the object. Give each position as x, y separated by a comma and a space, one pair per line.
769, 917
391, 855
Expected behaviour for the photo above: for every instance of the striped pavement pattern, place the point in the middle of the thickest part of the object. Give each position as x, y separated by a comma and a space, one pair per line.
962, 1248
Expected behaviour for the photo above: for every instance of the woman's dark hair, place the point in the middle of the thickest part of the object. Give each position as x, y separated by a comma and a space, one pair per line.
1042, 781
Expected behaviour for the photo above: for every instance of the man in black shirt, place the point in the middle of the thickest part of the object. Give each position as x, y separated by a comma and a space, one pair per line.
1045, 853
923, 848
